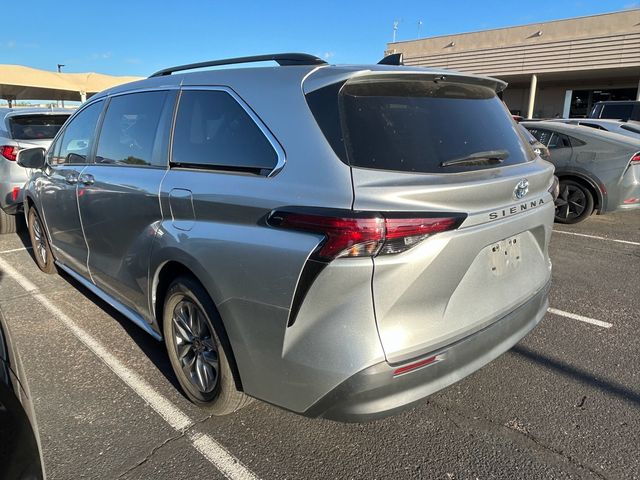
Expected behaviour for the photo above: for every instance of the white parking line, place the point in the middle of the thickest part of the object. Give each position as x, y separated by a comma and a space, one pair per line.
215, 453
16, 250
580, 318
627, 242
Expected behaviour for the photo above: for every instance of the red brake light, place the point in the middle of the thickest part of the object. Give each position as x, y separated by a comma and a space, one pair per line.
635, 160
363, 236
9, 152
14, 193
346, 237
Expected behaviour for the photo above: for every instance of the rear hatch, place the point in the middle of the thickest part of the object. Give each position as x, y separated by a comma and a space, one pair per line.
35, 129
425, 146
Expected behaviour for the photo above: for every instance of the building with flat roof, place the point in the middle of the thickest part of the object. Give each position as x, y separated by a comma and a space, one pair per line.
554, 69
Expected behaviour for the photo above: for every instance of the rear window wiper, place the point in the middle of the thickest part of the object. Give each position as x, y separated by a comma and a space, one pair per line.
490, 157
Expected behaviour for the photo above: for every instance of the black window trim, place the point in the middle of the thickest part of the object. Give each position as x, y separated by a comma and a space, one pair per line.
105, 108
280, 154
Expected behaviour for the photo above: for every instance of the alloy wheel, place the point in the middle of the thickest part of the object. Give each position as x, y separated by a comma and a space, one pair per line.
571, 202
40, 241
195, 346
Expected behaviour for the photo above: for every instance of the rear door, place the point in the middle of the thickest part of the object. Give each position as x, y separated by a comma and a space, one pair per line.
66, 160
118, 195
423, 149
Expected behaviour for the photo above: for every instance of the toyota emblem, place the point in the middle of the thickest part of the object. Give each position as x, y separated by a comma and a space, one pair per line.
522, 188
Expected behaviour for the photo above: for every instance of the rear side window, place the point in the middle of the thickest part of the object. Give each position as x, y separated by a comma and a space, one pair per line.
619, 112
421, 126
129, 133
543, 136
213, 130
631, 128
74, 144
558, 140
36, 127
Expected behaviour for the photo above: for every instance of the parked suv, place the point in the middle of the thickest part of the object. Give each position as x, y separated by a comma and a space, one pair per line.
340, 241
618, 110
21, 128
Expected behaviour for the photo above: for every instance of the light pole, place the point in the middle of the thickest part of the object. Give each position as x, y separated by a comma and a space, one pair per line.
60, 65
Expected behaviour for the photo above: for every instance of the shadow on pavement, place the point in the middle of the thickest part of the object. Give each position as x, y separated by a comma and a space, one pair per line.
152, 348
582, 376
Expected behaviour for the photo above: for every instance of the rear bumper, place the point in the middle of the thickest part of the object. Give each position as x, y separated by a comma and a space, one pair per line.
375, 392
7, 201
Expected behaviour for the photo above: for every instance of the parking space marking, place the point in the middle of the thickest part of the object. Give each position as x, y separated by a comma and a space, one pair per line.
16, 250
580, 318
627, 242
224, 461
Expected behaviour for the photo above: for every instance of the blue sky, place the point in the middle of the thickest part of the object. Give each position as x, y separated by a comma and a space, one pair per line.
139, 37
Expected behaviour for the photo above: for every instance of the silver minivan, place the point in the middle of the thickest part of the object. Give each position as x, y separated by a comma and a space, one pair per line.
340, 241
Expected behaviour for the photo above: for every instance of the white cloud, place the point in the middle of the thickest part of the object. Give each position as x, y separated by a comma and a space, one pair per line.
328, 55
11, 44
100, 56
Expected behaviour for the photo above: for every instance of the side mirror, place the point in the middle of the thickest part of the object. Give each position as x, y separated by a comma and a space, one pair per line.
31, 158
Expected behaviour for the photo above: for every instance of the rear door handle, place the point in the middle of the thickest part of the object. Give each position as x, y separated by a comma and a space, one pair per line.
71, 178
86, 179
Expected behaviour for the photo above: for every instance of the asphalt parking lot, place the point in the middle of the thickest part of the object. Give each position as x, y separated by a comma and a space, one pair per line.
563, 403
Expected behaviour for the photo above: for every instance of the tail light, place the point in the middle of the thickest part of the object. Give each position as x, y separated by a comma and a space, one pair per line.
356, 234
635, 160
9, 152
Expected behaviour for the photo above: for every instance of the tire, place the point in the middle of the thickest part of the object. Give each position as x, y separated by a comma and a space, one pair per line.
40, 243
190, 324
574, 203
7, 222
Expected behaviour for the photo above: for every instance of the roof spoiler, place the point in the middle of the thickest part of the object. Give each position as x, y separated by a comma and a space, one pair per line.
282, 59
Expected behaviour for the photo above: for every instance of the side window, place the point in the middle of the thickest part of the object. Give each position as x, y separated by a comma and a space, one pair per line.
213, 130
592, 125
559, 140
543, 136
74, 145
130, 130
575, 142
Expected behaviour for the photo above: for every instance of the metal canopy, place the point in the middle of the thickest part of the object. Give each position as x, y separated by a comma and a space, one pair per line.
24, 83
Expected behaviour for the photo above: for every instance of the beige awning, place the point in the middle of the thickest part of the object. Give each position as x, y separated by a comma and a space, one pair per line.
25, 83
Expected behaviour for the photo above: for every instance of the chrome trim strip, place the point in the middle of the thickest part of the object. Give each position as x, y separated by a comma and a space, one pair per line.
124, 310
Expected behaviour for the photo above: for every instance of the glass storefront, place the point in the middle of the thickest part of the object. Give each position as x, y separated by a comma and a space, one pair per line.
583, 100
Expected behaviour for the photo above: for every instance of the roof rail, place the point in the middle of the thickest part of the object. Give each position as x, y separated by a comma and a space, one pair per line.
283, 59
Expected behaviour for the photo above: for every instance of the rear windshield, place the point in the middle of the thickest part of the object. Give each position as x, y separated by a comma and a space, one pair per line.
618, 112
36, 127
419, 126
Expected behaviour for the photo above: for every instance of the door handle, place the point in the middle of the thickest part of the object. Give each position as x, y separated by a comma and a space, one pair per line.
71, 178
86, 179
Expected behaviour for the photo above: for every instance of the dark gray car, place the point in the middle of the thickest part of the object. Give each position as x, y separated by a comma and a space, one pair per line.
598, 170
340, 241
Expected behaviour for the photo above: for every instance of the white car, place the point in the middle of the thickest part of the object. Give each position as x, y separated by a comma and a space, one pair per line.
629, 129
22, 128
